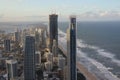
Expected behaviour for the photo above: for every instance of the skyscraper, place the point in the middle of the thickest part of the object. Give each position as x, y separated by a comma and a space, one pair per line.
12, 69
29, 58
53, 27
17, 37
71, 48
43, 38
54, 47
37, 58
7, 45
37, 39
61, 62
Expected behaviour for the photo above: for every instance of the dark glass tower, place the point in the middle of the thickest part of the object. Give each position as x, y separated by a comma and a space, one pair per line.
29, 58
7, 45
53, 29
17, 36
71, 48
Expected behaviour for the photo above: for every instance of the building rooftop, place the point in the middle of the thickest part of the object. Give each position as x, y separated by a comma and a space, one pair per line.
11, 61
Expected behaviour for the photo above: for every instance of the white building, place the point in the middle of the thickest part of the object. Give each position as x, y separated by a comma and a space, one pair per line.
54, 48
61, 61
37, 58
11, 69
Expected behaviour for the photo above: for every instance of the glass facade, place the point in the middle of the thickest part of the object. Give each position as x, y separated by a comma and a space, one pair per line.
29, 58
71, 46
53, 29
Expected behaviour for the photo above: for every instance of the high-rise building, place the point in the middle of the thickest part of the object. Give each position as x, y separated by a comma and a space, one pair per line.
37, 58
61, 62
50, 57
37, 39
7, 45
37, 35
12, 69
43, 38
71, 48
53, 29
17, 37
29, 58
54, 47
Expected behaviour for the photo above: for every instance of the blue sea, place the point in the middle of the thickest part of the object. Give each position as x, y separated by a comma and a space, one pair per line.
99, 44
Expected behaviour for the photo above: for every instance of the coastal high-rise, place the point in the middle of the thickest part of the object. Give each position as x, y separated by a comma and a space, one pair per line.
53, 29
54, 47
71, 48
12, 69
37, 39
37, 58
29, 58
43, 38
61, 62
7, 45
17, 37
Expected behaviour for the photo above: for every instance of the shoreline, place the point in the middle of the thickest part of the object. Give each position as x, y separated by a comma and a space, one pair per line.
85, 72
88, 75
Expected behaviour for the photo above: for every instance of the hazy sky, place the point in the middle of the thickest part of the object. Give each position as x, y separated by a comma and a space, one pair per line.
38, 10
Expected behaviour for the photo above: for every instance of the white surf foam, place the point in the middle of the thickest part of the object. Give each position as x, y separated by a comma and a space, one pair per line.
102, 52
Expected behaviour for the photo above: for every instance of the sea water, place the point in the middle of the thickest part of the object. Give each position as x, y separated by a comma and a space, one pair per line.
98, 44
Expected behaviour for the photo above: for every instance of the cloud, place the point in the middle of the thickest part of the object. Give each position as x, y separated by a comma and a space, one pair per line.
110, 14
89, 14
100, 15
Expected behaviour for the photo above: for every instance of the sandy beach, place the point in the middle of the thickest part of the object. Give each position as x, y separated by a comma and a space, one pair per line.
85, 72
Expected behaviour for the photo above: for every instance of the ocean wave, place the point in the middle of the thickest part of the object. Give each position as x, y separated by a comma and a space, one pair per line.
101, 52
87, 60
103, 72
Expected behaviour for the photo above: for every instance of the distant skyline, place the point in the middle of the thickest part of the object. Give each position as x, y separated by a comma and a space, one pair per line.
39, 10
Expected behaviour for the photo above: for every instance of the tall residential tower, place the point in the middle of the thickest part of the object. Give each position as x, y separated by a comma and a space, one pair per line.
29, 58
12, 69
71, 48
53, 29
7, 45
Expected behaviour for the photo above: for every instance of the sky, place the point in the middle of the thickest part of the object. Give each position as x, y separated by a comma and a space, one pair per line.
39, 10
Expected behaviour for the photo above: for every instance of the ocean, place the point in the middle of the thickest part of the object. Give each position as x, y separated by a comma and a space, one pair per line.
98, 43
